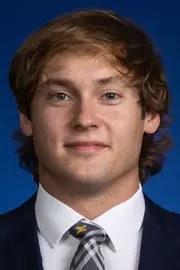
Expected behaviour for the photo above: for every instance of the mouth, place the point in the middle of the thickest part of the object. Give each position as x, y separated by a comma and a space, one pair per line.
86, 149
83, 147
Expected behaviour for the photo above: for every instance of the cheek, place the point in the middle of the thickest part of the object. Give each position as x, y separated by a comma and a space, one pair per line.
128, 127
49, 124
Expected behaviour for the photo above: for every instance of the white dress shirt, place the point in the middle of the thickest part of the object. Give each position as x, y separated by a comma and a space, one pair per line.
122, 223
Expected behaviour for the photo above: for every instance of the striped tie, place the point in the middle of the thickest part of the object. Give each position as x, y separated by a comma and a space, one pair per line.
88, 255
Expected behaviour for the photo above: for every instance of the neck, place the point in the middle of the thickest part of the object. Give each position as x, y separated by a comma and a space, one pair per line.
88, 203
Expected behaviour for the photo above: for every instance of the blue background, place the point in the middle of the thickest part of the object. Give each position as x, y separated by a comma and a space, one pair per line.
160, 19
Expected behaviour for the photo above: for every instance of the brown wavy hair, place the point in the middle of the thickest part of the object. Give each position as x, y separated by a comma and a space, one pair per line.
94, 32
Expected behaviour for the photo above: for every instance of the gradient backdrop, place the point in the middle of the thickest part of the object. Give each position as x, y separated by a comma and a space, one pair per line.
160, 19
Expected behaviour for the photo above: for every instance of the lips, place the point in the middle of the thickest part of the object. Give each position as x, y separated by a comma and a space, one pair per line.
86, 143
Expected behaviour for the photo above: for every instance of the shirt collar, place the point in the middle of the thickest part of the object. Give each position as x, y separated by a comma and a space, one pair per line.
123, 221
54, 218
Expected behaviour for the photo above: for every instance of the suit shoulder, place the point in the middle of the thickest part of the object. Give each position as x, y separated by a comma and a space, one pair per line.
168, 220
11, 220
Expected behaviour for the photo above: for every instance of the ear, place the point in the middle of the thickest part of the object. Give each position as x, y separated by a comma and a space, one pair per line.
25, 124
151, 123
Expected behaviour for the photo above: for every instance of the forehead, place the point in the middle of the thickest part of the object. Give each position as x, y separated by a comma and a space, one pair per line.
78, 64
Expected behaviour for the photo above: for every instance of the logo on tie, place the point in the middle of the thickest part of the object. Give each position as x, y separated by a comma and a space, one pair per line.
80, 229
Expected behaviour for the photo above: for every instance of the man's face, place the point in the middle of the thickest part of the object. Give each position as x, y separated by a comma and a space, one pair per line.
78, 103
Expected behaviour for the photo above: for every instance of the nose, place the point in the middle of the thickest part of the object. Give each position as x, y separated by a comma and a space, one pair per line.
85, 115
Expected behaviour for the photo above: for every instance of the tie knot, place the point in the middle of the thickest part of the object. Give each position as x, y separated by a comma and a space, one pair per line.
83, 230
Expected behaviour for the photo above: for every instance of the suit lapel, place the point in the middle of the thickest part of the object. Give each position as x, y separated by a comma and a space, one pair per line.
20, 251
159, 250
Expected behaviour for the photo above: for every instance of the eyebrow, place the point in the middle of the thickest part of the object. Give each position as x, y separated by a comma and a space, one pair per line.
98, 82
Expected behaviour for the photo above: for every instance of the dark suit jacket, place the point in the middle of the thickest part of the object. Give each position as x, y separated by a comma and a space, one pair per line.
19, 247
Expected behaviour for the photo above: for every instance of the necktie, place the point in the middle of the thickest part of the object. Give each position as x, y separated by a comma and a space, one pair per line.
88, 255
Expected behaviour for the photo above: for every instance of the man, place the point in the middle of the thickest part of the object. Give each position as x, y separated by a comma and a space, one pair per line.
94, 110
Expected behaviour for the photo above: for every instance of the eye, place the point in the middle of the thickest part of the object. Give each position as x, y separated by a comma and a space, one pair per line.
110, 95
59, 96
